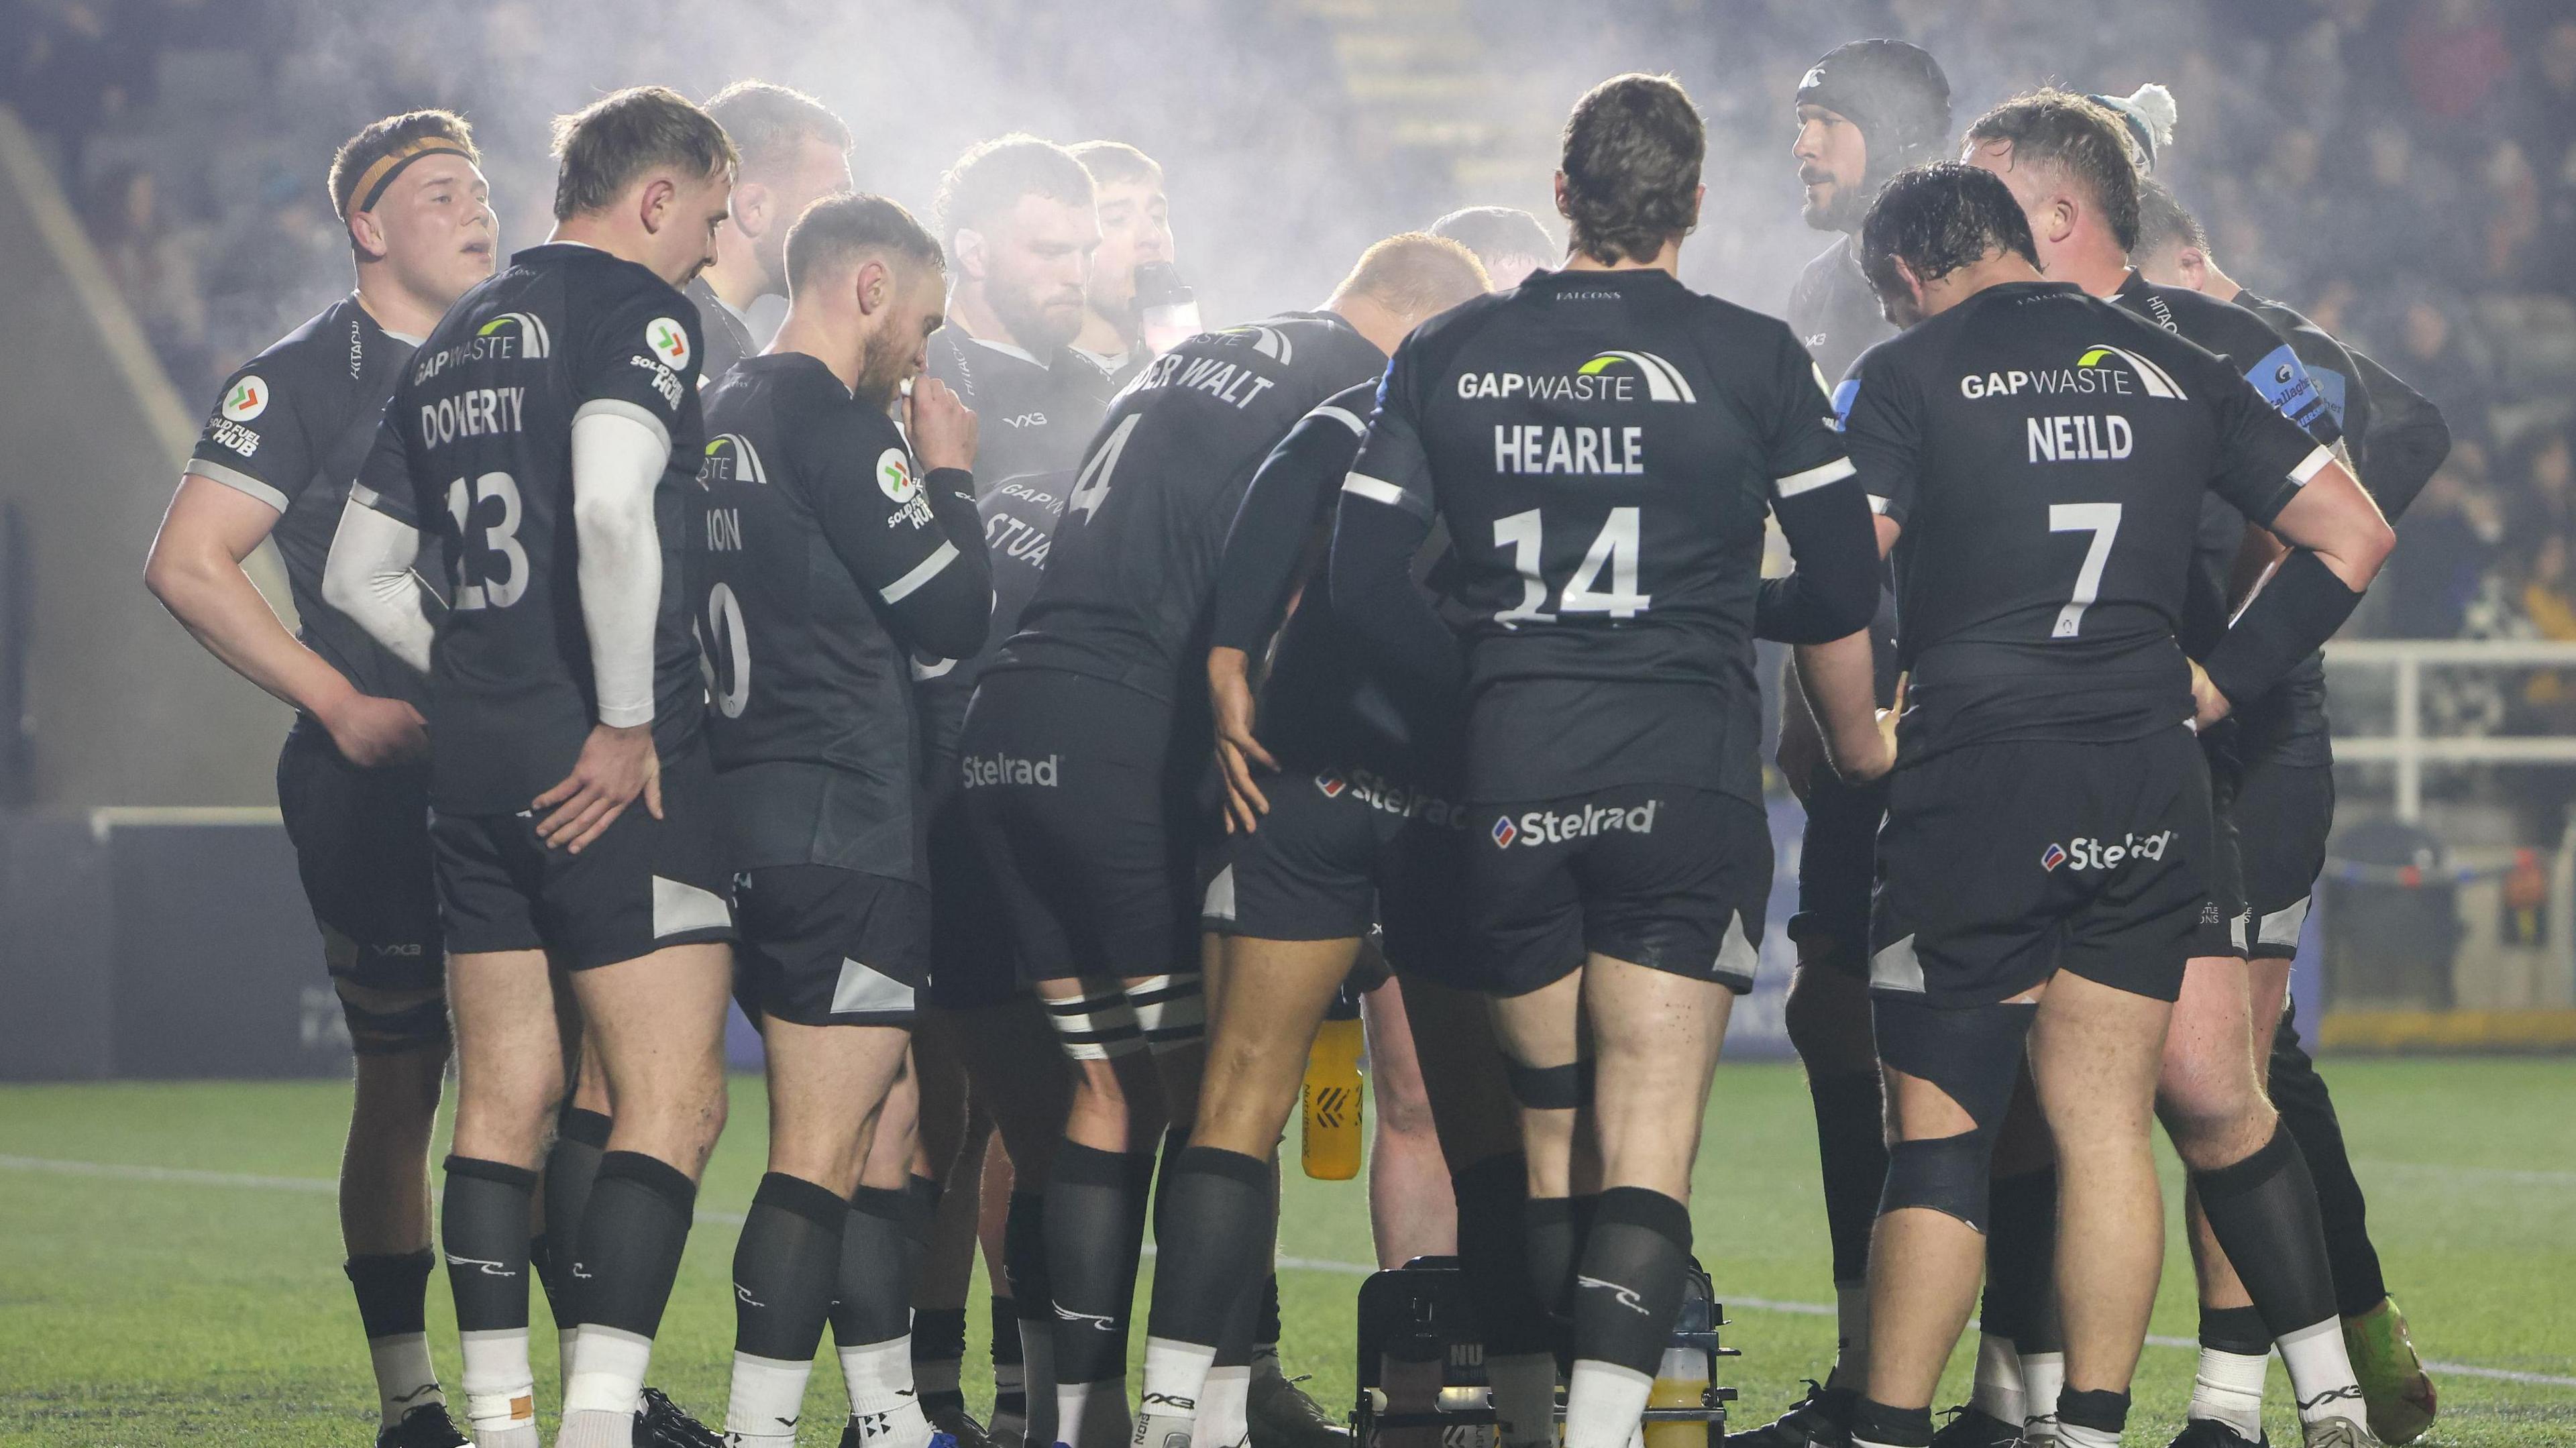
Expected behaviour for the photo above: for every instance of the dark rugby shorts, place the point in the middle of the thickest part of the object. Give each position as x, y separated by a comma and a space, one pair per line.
1076, 805
361, 839
2283, 814
1342, 850
972, 958
824, 946
2003, 863
643, 885
1664, 876
2224, 925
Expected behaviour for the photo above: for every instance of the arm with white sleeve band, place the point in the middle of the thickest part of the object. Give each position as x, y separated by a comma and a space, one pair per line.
617, 462
370, 577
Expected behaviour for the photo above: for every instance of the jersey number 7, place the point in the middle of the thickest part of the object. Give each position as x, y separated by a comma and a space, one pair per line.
2102, 520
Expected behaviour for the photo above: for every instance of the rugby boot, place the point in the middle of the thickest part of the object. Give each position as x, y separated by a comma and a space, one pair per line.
665, 1424
1280, 1415
2211, 1433
1821, 1419
2338, 1433
2394, 1386
1974, 1427
426, 1426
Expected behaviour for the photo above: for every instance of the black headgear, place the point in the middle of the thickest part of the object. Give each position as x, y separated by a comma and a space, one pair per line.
1894, 92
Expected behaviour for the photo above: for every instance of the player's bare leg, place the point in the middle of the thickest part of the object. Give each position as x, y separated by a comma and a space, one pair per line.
949, 1183
509, 1076
1412, 1212
384, 1186
658, 1023
2253, 1188
1267, 998
1015, 1063
1654, 1037
827, 1086
1008, 1426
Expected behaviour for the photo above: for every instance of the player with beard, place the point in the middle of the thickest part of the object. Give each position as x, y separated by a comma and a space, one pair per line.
1509, 243
546, 430
1866, 111
2072, 164
1086, 752
275, 461
1135, 230
1019, 219
794, 151
1604, 446
2284, 810
2049, 838
828, 549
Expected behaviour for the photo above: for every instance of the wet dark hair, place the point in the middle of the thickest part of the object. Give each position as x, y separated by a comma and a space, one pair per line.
2087, 139
837, 228
606, 145
1937, 219
2165, 224
1633, 147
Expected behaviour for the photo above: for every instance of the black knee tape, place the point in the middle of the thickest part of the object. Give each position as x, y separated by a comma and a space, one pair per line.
1550, 1088
420, 1026
1973, 1054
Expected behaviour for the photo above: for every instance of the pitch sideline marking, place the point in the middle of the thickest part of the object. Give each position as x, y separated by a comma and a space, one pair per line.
188, 1176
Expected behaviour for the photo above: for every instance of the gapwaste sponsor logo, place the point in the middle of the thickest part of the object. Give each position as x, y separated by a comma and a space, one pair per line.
730, 458
2099, 371
1615, 376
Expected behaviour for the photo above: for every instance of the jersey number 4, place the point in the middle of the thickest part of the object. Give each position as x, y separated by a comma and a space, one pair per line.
1091, 485
1614, 550
2102, 520
491, 566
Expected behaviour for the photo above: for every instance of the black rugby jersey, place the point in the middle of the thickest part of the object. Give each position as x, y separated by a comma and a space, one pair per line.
1128, 578
2046, 455
823, 556
1032, 415
1019, 517
1833, 310
291, 428
727, 340
1604, 447
1325, 702
476, 448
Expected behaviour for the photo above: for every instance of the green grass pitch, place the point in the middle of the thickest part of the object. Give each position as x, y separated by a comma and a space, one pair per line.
180, 1309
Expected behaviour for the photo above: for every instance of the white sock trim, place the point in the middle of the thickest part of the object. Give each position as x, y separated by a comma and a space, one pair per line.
608, 1369
767, 1398
1603, 1402
404, 1377
1225, 1408
500, 1391
1997, 1392
2321, 1373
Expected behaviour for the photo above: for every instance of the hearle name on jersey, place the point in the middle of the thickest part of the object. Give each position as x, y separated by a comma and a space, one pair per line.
1608, 377
1379, 792
1533, 448
2086, 853
979, 770
1232, 382
1546, 827
2080, 438
474, 412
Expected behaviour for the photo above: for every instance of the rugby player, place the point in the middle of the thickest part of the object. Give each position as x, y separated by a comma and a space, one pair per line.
828, 548
275, 460
2038, 458
2284, 810
1087, 745
1509, 243
545, 432
2072, 163
1603, 445
1865, 110
1135, 229
1018, 217
794, 151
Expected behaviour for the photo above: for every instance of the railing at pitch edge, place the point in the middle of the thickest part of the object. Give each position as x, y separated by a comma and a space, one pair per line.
2410, 748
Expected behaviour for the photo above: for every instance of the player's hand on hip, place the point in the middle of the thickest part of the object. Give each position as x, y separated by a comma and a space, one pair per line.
2208, 706
615, 766
941, 425
1881, 757
371, 732
1230, 695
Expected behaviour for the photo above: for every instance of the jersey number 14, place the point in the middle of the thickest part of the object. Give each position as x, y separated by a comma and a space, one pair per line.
1614, 551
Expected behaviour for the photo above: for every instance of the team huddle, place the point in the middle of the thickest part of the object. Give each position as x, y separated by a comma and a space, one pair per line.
1036, 719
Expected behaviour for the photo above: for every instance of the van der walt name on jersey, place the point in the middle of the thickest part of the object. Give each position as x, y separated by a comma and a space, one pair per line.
1225, 381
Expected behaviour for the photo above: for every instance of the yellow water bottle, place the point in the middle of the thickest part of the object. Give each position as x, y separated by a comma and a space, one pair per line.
1331, 1146
1683, 1379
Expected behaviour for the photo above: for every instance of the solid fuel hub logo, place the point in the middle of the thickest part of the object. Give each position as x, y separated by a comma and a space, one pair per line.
894, 475
669, 341
248, 399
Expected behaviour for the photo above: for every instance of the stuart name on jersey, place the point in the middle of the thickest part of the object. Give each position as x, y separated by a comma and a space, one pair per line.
1226, 381
1007, 536
1534, 448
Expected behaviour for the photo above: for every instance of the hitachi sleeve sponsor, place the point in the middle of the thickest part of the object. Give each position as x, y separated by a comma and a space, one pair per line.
1546, 827
990, 769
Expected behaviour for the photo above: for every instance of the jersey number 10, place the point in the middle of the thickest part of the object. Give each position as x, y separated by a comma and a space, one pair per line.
1614, 550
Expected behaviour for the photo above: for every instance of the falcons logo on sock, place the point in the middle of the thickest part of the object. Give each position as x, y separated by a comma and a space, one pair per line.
1628, 1297
489, 1269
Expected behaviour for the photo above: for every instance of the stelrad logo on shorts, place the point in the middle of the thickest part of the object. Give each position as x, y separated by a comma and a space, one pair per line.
2086, 853
989, 769
1547, 827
